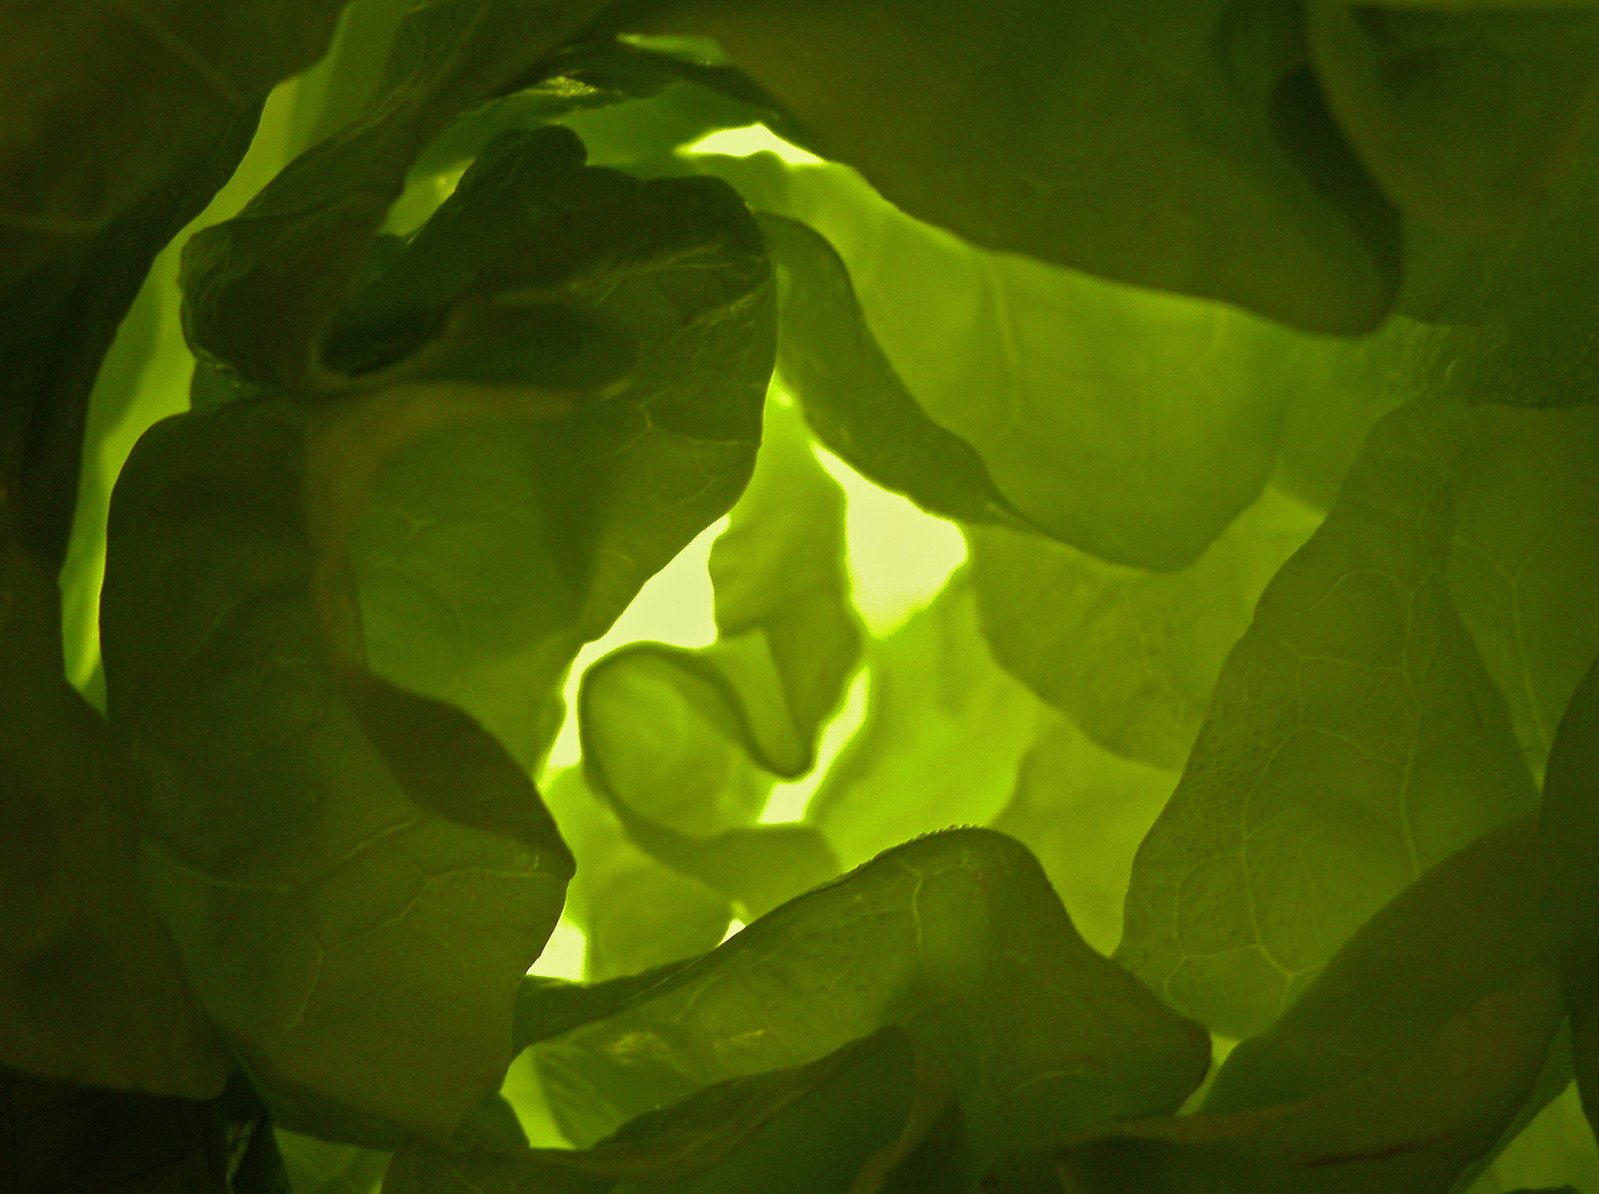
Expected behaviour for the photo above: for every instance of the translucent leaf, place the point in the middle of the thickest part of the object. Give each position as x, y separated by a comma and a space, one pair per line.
957, 938
1131, 656
1192, 152
1355, 739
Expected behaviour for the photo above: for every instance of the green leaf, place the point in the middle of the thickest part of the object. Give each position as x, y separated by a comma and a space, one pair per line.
955, 937
84, 83
1469, 927
832, 1125
684, 745
1355, 738
320, 842
490, 554
945, 730
1082, 811
851, 396
1467, 117
263, 288
1570, 835
319, 1167
1523, 571
1414, 1124
1192, 152
1141, 457
634, 910
1131, 656
91, 989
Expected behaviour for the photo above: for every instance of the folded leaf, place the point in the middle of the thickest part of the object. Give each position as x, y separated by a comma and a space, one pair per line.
357, 877
955, 937
1355, 738
1131, 656
490, 554
684, 745
1412, 1125
1191, 153
1467, 117
851, 396
1140, 457
263, 288
840, 1124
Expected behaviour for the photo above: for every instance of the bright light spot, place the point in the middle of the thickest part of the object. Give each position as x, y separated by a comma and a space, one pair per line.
675, 606
790, 801
900, 556
734, 928
564, 954
751, 139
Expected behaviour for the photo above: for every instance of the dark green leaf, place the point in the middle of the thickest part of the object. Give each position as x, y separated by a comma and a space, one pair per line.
1469, 927
1570, 858
490, 554
858, 406
319, 1167
1131, 656
262, 289
1413, 1125
1355, 739
838, 1124
320, 842
957, 938
1467, 116
86, 81
62, 1138
1191, 153
91, 989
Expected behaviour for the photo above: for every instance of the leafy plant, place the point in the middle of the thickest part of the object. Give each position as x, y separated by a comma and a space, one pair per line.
1218, 815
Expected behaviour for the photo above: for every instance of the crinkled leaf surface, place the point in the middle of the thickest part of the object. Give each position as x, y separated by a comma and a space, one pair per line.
263, 289
1355, 738
1138, 457
1131, 656
955, 937
684, 745
945, 730
91, 988
1469, 116
1192, 152
489, 553
357, 877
